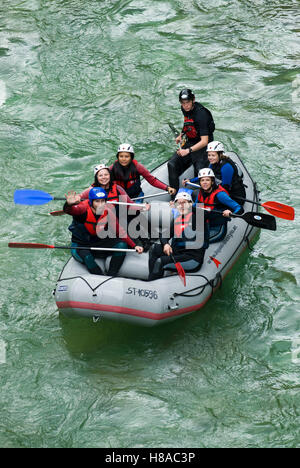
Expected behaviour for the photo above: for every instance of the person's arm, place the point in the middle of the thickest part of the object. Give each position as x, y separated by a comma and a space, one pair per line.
120, 231
85, 194
227, 175
167, 240
73, 206
201, 144
233, 206
150, 178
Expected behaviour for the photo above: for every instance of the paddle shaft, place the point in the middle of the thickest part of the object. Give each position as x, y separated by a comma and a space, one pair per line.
23, 245
158, 194
60, 212
275, 208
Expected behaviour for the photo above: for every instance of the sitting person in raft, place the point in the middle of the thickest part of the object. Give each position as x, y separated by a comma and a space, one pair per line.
176, 248
103, 179
90, 218
226, 172
218, 203
127, 172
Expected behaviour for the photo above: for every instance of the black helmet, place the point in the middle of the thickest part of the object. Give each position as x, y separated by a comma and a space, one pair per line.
186, 94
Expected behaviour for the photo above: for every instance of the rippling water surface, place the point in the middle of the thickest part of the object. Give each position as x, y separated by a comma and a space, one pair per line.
76, 78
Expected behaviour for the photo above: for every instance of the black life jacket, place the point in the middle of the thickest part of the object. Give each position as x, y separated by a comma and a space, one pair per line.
190, 126
132, 185
237, 188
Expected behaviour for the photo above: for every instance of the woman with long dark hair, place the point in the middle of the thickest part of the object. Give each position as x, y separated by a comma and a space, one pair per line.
127, 173
226, 172
103, 179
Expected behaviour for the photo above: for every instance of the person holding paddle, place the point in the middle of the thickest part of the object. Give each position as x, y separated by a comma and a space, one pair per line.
182, 246
216, 200
197, 132
225, 170
93, 219
127, 173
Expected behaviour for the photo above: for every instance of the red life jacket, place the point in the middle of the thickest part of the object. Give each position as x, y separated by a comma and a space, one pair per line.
189, 128
113, 193
92, 224
210, 199
132, 180
181, 223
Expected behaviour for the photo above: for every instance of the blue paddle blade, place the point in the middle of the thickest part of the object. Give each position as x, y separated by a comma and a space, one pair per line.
31, 197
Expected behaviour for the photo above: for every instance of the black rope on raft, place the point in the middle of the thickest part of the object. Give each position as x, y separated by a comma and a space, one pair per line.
212, 283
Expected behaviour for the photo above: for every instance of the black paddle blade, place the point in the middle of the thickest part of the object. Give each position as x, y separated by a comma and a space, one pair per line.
260, 220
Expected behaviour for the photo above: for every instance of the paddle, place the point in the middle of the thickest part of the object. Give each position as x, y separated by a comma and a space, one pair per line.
253, 218
256, 219
57, 213
275, 208
176, 133
33, 197
158, 194
180, 270
23, 245
173, 128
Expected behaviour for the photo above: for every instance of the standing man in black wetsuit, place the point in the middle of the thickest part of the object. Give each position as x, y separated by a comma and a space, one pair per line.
197, 132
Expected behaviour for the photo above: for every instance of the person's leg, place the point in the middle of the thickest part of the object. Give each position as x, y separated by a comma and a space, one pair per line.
155, 265
117, 259
199, 159
176, 166
86, 257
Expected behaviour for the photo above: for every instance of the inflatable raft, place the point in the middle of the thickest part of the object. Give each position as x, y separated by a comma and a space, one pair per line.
130, 298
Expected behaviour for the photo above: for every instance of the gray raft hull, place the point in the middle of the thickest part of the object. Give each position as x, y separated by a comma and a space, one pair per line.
130, 298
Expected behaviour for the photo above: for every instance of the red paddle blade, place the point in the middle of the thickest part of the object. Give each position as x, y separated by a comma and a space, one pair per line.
216, 261
280, 210
57, 213
181, 272
22, 245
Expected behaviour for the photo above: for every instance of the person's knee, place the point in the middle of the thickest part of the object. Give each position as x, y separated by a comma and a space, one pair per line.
171, 165
91, 265
120, 245
157, 270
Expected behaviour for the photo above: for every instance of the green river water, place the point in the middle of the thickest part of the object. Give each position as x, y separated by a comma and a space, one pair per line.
76, 79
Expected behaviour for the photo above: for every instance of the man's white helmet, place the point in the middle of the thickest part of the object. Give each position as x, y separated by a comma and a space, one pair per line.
215, 146
206, 172
183, 196
99, 167
126, 147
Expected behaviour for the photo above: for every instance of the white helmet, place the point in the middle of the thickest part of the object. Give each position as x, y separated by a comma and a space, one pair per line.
126, 147
206, 172
215, 146
183, 196
99, 167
